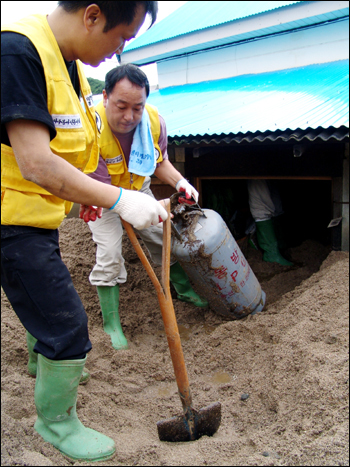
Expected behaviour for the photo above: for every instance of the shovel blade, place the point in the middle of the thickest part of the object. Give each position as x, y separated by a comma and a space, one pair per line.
206, 421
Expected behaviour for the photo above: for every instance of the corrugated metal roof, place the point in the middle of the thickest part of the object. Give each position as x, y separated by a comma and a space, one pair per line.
298, 98
207, 14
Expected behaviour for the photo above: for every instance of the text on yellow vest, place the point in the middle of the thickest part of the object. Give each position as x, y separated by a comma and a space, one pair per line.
24, 202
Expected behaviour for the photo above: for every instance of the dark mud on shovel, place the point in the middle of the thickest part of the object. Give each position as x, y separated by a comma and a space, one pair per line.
192, 425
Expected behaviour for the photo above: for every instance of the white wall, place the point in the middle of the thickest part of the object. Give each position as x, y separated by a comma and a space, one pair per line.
321, 44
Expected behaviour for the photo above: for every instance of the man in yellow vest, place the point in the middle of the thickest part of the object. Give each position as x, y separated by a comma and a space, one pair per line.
133, 146
49, 142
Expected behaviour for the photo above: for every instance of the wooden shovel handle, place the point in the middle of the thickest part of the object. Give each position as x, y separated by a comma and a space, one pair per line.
135, 243
166, 256
166, 307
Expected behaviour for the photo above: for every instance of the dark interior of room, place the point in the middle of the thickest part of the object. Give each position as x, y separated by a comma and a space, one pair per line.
307, 206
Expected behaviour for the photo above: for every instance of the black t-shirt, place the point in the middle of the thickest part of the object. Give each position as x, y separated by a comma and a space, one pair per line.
23, 85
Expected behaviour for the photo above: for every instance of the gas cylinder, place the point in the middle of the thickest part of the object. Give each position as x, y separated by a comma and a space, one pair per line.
207, 251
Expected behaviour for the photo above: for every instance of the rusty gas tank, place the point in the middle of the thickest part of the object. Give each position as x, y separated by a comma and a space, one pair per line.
207, 251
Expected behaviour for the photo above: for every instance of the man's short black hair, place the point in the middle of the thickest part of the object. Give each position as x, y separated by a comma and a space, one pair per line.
115, 12
132, 72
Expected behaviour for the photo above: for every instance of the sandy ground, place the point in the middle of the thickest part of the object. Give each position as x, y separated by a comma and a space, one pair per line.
291, 359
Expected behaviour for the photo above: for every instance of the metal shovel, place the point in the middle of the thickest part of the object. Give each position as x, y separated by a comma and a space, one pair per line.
192, 424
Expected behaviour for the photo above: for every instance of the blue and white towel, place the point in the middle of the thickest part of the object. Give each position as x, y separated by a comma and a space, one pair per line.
142, 159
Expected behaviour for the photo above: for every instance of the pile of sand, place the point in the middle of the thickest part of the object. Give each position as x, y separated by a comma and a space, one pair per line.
290, 362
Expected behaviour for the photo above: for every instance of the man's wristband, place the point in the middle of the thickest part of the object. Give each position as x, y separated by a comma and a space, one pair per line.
114, 205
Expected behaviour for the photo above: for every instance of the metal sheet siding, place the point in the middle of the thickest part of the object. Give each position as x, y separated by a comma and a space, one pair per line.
298, 98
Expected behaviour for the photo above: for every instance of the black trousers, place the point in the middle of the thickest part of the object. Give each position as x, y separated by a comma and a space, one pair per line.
41, 292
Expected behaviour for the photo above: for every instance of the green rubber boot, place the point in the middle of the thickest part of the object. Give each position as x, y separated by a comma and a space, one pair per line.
280, 229
109, 302
33, 359
268, 242
33, 356
56, 390
182, 285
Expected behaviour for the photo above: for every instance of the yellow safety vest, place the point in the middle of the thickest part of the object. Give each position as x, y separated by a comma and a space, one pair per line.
112, 153
24, 202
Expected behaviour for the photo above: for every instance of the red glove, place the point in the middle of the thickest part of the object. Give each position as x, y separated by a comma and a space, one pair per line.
183, 200
90, 213
188, 189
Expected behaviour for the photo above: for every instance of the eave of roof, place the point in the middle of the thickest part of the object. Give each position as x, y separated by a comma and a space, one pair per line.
278, 136
159, 43
206, 14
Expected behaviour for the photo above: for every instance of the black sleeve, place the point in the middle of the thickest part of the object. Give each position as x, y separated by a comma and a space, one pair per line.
23, 85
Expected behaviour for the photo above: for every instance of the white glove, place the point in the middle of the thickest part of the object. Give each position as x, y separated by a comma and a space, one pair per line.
139, 209
183, 185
